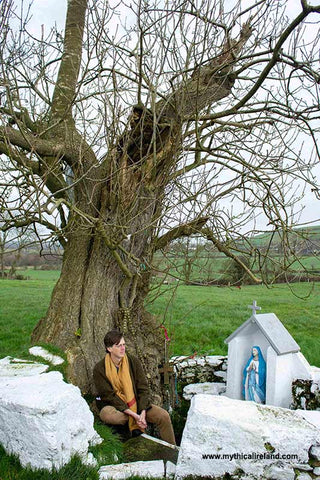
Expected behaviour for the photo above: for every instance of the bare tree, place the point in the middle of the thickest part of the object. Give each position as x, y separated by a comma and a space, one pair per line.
141, 125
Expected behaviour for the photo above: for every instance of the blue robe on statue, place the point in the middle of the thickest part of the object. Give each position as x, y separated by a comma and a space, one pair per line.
254, 378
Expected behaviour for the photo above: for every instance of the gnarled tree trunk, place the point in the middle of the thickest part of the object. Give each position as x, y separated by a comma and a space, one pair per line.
86, 304
103, 285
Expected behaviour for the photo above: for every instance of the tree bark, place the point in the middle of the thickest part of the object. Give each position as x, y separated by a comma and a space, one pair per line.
91, 297
104, 280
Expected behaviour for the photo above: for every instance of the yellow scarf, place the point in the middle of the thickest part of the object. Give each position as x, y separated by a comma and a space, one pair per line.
122, 385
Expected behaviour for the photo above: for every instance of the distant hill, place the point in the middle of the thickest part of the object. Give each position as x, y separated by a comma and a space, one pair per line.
199, 263
304, 240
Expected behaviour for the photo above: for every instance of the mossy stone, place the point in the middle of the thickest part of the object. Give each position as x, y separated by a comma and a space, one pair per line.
142, 449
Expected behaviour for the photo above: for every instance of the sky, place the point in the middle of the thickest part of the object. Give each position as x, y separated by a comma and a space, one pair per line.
47, 13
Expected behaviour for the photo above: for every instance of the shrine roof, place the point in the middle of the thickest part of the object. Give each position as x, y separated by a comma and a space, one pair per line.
274, 331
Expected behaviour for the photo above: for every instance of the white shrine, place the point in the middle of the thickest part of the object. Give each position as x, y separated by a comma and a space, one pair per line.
284, 361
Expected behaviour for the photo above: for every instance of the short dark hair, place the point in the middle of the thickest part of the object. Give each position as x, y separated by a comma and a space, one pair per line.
112, 338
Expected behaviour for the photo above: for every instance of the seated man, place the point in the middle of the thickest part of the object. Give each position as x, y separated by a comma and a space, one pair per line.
123, 392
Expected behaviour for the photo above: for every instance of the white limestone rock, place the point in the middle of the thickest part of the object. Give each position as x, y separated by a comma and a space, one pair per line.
315, 372
43, 353
312, 416
303, 476
303, 402
151, 469
160, 442
211, 388
280, 471
90, 461
178, 359
215, 360
315, 452
212, 360
222, 374
44, 420
242, 435
303, 467
16, 367
315, 387
191, 362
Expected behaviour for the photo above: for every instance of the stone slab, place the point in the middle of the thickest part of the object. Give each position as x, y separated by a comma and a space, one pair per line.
16, 367
43, 353
148, 448
311, 416
44, 420
210, 388
223, 436
151, 469
304, 476
185, 362
315, 452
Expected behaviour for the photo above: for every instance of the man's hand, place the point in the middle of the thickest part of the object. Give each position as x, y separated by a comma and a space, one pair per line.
141, 420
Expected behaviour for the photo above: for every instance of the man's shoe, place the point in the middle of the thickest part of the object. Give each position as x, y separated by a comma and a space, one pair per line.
136, 433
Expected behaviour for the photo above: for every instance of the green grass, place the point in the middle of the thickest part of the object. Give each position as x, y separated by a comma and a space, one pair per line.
310, 263
298, 234
22, 304
43, 275
200, 318
10, 469
110, 451
203, 268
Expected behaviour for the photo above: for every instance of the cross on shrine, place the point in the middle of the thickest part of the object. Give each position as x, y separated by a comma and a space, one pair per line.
254, 307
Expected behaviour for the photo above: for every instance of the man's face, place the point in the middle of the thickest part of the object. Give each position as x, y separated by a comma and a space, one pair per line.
118, 350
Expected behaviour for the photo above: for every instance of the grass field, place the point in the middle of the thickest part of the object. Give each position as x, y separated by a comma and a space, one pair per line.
22, 304
202, 268
200, 318
197, 318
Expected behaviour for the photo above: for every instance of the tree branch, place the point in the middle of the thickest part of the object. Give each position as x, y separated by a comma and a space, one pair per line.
49, 173
184, 230
30, 143
22, 116
207, 233
19, 158
26, 222
112, 247
208, 83
65, 89
274, 59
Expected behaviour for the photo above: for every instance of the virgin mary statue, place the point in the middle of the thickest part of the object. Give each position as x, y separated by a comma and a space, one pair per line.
254, 377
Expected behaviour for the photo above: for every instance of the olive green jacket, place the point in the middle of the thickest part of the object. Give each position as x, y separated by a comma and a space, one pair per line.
106, 395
